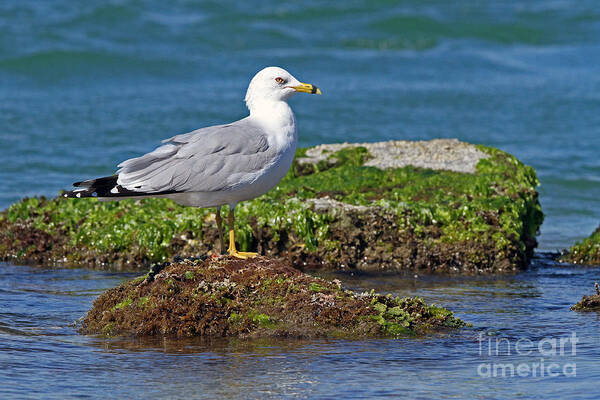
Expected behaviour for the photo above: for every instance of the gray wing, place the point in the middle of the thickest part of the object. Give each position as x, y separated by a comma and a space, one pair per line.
210, 159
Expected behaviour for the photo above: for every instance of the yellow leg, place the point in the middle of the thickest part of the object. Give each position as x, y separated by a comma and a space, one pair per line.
232, 250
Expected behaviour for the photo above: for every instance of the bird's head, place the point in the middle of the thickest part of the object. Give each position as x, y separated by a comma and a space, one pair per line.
275, 84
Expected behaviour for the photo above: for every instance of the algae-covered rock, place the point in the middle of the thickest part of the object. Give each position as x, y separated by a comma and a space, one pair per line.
223, 296
437, 206
589, 303
585, 252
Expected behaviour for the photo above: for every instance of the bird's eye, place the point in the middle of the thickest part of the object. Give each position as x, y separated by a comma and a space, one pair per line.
280, 80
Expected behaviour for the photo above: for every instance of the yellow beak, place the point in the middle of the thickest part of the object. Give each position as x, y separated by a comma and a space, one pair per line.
307, 88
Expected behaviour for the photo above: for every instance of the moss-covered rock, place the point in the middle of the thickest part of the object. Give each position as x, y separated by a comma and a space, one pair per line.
586, 252
589, 303
223, 296
341, 206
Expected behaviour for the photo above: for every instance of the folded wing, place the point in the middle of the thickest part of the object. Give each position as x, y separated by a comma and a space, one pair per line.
216, 158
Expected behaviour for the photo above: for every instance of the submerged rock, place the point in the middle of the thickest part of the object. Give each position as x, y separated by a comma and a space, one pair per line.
436, 206
586, 252
223, 296
589, 303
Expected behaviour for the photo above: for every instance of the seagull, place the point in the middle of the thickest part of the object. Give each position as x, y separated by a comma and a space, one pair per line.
217, 165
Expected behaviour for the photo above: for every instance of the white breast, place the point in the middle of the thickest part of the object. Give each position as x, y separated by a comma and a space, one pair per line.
278, 121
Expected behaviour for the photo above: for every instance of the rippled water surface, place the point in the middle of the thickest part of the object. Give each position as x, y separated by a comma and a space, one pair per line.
85, 85
43, 357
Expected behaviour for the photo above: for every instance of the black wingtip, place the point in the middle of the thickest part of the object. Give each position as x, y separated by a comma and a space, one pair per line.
98, 182
106, 187
78, 194
92, 187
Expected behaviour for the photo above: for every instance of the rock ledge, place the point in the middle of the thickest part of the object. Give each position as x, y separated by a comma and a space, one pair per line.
222, 296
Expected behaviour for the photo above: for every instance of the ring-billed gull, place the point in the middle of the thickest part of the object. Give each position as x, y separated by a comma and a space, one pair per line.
218, 165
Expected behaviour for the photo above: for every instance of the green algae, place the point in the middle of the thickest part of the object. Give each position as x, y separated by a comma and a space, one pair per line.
263, 320
125, 303
396, 316
586, 251
352, 156
495, 208
315, 287
189, 275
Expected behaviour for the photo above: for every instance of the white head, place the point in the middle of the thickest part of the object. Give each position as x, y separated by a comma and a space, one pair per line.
274, 84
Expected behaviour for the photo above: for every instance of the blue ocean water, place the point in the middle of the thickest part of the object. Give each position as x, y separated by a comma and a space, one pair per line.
43, 357
85, 85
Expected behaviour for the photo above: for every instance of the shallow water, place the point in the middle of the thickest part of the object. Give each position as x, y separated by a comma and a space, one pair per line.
88, 84
43, 357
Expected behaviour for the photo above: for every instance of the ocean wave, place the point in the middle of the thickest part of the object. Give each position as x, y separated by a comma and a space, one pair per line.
105, 14
402, 43
59, 62
416, 27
